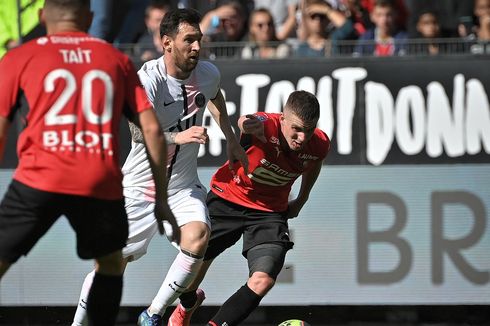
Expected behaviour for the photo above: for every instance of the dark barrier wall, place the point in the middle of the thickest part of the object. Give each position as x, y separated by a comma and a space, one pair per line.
399, 110
389, 111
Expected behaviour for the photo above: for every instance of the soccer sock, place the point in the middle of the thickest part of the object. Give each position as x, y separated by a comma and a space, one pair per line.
81, 314
179, 277
237, 308
188, 299
104, 299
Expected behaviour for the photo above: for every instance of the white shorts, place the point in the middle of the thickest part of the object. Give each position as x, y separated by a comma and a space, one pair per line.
188, 205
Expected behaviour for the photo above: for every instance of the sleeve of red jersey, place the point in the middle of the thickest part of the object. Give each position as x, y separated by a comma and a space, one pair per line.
323, 143
135, 95
9, 84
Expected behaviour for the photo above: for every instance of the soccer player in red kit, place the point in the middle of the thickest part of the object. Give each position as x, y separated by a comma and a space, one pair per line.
76, 88
280, 148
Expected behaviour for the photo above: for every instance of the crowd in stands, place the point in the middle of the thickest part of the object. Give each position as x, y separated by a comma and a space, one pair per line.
274, 29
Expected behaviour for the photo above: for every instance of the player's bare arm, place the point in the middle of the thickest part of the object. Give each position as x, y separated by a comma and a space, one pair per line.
250, 124
195, 134
156, 148
308, 180
217, 107
4, 126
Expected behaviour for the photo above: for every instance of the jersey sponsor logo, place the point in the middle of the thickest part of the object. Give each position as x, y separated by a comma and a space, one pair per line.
167, 104
42, 40
278, 151
200, 100
272, 175
304, 156
274, 140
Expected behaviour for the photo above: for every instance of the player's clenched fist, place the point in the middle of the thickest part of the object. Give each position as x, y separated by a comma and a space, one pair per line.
252, 125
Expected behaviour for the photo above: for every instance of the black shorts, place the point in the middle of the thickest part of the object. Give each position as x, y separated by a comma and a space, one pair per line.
230, 221
26, 214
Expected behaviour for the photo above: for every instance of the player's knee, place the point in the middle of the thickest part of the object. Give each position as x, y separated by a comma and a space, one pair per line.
261, 283
194, 237
111, 264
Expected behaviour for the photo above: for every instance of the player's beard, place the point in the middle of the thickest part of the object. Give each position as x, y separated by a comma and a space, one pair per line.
186, 63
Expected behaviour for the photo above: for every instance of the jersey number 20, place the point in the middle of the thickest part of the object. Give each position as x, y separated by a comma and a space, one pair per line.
53, 116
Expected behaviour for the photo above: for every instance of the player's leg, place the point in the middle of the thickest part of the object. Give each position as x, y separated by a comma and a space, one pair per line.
142, 228
26, 214
191, 213
80, 317
266, 242
265, 262
226, 230
102, 230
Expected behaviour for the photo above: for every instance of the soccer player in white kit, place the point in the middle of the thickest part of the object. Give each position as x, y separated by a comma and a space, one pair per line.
179, 87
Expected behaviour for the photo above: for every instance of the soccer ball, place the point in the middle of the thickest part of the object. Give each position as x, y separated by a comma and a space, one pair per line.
294, 322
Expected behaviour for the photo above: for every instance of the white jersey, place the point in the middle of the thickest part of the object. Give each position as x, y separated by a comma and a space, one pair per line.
179, 105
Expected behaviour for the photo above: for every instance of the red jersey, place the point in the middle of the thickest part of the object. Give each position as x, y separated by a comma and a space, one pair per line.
76, 87
272, 171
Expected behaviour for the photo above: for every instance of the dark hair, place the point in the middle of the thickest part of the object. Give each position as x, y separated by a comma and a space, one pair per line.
74, 5
304, 105
385, 3
172, 20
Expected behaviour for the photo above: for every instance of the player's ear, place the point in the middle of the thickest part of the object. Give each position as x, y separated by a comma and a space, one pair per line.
90, 18
42, 17
167, 43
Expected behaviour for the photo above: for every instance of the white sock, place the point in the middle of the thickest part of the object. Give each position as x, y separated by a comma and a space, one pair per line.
182, 272
80, 318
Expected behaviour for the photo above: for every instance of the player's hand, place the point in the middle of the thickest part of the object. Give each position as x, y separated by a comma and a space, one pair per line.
235, 153
164, 213
252, 125
195, 134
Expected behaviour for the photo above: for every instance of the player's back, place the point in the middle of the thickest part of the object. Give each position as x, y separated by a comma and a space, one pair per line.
75, 87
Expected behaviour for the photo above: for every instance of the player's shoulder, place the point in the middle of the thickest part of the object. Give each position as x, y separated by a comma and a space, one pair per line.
151, 69
320, 141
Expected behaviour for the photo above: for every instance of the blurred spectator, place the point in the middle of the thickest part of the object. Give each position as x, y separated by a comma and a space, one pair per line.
399, 6
482, 28
9, 27
428, 29
101, 23
149, 44
263, 42
323, 27
227, 23
357, 14
119, 21
384, 39
451, 13
204, 6
284, 14
133, 22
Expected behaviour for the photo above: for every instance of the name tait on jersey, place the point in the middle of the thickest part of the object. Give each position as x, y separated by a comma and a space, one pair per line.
76, 56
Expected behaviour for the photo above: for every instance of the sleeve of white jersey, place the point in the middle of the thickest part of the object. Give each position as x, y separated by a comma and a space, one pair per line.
149, 83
